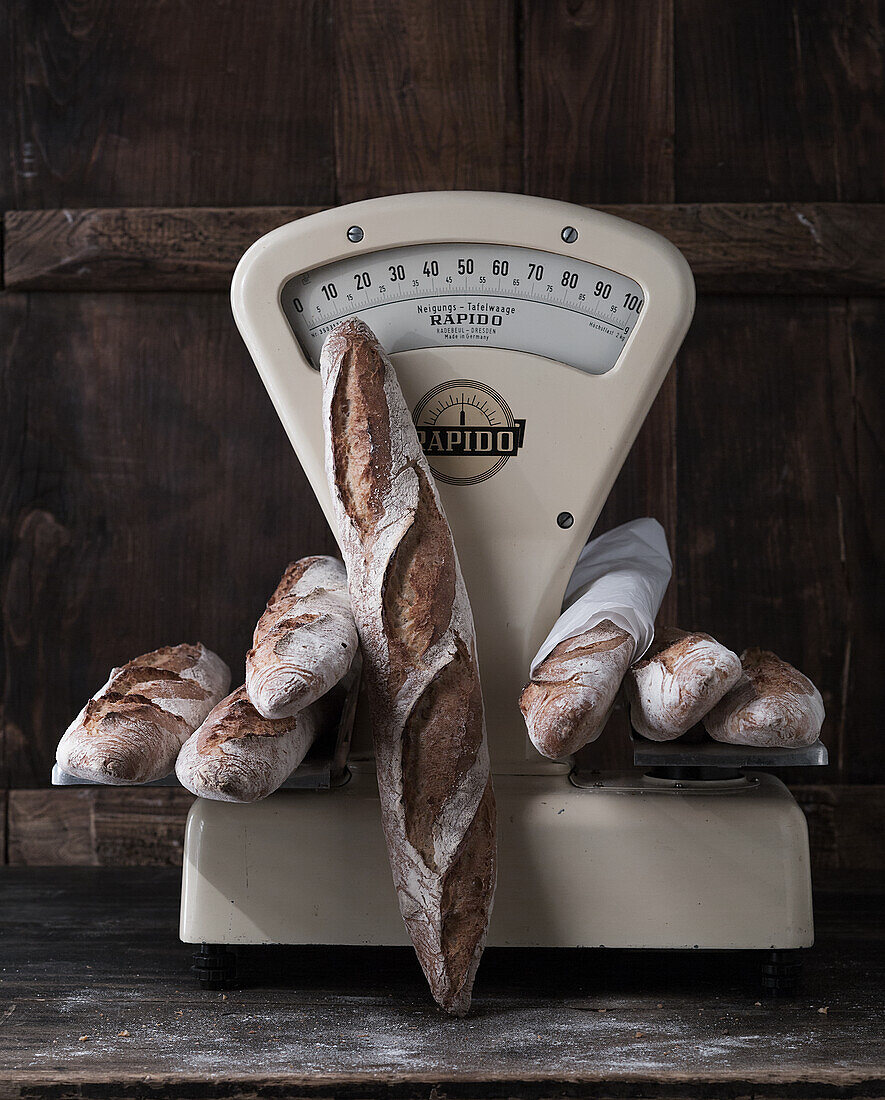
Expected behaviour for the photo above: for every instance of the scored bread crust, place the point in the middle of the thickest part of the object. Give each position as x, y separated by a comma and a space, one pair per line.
305, 640
567, 701
419, 651
132, 729
681, 678
238, 756
771, 705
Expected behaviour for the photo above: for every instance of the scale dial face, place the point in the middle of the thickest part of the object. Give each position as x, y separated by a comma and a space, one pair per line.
482, 295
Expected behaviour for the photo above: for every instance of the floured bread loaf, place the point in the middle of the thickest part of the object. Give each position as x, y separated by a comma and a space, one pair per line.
131, 731
419, 653
568, 700
238, 756
304, 642
772, 704
679, 680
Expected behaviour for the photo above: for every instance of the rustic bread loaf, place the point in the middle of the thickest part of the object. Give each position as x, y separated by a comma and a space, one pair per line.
133, 728
305, 640
681, 678
238, 756
771, 705
419, 652
567, 701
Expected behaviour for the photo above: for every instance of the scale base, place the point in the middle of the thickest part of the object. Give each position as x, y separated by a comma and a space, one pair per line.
625, 861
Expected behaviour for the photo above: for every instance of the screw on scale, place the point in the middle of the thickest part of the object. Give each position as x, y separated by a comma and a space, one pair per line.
355, 234
569, 234
565, 520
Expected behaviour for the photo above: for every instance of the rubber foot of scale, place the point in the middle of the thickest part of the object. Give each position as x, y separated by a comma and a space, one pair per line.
215, 967
781, 971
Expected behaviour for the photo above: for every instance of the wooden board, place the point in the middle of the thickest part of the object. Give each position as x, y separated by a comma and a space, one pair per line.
764, 387
779, 101
144, 103
846, 824
862, 436
140, 248
96, 1000
107, 826
598, 100
426, 96
776, 248
151, 497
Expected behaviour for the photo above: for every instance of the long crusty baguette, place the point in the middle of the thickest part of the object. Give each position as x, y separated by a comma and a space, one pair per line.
305, 640
681, 678
771, 705
567, 701
238, 756
133, 728
419, 652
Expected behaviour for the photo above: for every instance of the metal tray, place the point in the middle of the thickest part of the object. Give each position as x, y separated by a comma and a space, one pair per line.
715, 754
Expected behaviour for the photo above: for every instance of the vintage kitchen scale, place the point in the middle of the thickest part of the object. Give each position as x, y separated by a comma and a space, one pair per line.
530, 338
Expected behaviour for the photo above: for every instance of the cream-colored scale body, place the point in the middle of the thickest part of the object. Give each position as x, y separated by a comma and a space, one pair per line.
530, 338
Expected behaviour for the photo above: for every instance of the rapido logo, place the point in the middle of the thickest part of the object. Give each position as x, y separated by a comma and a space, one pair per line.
467, 431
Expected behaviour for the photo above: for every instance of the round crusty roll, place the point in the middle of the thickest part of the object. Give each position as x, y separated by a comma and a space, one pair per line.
305, 640
419, 653
238, 756
680, 679
772, 705
132, 729
567, 701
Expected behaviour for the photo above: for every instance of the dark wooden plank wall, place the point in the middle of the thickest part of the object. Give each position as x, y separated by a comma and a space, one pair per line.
734, 248
147, 493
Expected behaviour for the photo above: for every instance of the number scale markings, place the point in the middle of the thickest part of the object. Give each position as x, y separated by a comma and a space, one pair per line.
459, 294
373, 303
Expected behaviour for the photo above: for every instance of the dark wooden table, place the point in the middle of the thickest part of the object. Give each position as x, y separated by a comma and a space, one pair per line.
96, 1000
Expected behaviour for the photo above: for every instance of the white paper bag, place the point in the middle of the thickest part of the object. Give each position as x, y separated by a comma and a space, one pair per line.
622, 576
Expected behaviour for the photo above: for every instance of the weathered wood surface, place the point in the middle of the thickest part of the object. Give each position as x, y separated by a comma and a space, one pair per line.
103, 826
166, 104
846, 824
778, 101
144, 826
224, 103
96, 1001
149, 497
599, 121
772, 248
133, 249
426, 97
862, 440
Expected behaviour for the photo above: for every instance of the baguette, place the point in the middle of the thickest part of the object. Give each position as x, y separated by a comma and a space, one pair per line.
771, 705
305, 640
567, 701
238, 756
419, 651
132, 729
681, 678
